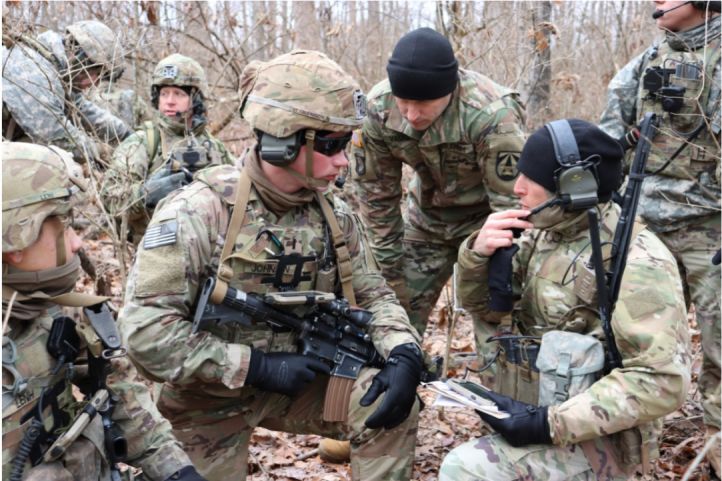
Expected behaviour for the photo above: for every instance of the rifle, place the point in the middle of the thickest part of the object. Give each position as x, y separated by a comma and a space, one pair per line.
609, 283
331, 332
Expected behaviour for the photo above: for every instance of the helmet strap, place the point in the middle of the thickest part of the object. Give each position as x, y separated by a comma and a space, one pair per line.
309, 179
60, 257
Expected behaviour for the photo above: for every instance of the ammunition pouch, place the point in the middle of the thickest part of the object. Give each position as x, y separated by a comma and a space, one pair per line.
517, 375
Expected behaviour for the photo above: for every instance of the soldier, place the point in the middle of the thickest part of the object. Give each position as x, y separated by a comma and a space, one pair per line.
163, 156
462, 134
47, 434
679, 79
570, 418
272, 226
43, 83
125, 104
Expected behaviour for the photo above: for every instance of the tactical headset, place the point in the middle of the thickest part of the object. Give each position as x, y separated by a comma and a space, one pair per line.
282, 151
576, 178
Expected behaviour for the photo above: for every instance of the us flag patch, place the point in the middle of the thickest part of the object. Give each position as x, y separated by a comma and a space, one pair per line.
159, 235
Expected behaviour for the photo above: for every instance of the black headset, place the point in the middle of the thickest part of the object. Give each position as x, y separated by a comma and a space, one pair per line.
576, 178
713, 6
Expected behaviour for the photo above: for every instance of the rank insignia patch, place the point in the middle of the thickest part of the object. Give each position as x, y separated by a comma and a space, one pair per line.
163, 234
506, 165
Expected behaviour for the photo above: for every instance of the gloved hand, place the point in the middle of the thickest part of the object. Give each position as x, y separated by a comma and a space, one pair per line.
398, 378
526, 424
283, 372
187, 473
500, 273
161, 184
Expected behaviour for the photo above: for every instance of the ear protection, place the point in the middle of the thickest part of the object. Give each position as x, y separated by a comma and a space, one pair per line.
279, 151
575, 179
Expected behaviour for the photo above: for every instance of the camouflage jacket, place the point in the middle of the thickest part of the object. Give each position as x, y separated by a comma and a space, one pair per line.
125, 104
151, 444
142, 154
688, 190
165, 281
39, 99
464, 165
649, 323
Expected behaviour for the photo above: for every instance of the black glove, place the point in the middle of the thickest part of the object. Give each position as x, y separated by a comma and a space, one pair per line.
501, 295
161, 184
188, 473
398, 378
526, 424
283, 372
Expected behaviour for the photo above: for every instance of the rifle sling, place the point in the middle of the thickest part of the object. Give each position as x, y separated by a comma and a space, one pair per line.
343, 257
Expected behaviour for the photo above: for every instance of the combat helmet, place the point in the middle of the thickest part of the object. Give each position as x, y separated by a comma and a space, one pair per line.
184, 72
92, 44
38, 182
298, 96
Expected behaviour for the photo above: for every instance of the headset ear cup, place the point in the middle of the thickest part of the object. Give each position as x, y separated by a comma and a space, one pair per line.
578, 187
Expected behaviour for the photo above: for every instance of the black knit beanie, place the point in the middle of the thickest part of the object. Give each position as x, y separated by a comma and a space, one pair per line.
538, 161
423, 66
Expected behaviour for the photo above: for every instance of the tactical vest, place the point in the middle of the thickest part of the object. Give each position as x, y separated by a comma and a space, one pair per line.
159, 148
694, 72
301, 251
38, 398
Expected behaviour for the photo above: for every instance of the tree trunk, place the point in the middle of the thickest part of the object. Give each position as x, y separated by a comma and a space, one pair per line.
540, 75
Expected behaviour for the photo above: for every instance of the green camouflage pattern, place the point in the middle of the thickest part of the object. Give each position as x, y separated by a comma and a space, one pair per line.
682, 203
180, 71
492, 458
464, 167
204, 395
125, 104
151, 444
38, 182
99, 43
617, 421
39, 99
309, 91
131, 165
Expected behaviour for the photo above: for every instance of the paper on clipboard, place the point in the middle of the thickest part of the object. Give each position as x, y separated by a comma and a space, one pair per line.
459, 394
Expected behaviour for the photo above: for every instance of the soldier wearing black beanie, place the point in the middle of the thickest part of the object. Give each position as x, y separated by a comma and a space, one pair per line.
538, 161
423, 66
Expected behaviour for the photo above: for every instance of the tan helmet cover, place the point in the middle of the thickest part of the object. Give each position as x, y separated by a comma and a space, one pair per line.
180, 71
38, 182
303, 89
99, 43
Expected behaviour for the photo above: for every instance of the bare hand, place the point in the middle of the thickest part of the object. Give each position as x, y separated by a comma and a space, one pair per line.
496, 231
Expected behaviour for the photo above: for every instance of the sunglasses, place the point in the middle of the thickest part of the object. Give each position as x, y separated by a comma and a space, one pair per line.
324, 144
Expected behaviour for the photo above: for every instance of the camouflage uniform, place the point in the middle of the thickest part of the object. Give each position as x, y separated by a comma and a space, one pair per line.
611, 428
464, 166
27, 364
682, 203
205, 395
149, 150
125, 104
40, 101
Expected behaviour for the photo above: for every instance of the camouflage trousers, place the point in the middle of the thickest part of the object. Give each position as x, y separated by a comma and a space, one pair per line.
491, 458
215, 432
427, 268
694, 247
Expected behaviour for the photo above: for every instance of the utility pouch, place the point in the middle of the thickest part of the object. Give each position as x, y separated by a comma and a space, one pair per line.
568, 364
326, 279
517, 375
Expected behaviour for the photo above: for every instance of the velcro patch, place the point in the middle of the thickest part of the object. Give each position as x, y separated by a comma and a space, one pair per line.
163, 234
506, 165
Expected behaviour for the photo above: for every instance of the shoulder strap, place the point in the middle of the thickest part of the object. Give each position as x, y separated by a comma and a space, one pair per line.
243, 192
343, 257
151, 136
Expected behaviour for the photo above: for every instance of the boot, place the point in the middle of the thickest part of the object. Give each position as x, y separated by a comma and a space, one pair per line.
713, 455
333, 451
